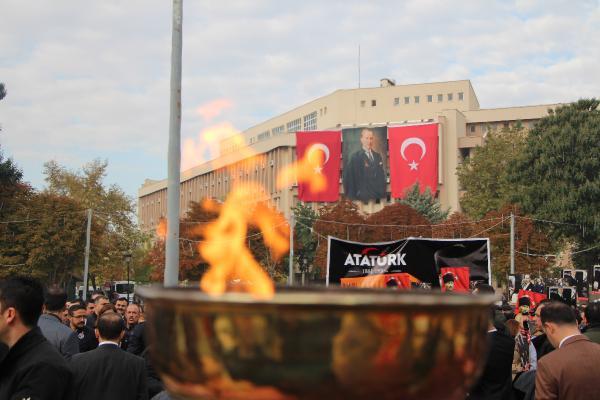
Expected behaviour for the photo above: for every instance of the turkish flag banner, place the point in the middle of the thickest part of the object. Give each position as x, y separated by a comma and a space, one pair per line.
322, 149
413, 158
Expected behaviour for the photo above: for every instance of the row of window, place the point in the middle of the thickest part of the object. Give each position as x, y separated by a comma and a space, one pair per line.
306, 123
417, 99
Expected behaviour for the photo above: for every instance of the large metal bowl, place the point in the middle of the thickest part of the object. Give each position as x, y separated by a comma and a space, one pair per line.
316, 344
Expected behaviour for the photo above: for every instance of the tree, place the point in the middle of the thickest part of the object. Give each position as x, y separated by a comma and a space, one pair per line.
305, 240
484, 176
425, 204
2, 91
557, 176
113, 210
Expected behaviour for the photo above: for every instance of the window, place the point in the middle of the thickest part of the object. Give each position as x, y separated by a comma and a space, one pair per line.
363, 103
416, 99
472, 128
505, 124
373, 103
440, 98
294, 125
396, 101
263, 135
406, 100
278, 130
310, 121
429, 98
460, 96
449, 96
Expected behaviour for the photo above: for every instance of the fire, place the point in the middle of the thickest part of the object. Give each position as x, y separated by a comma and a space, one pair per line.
225, 246
206, 146
308, 170
161, 229
232, 265
208, 111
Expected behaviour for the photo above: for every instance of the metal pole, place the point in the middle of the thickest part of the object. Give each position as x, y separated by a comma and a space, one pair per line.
512, 243
128, 288
291, 264
86, 265
173, 189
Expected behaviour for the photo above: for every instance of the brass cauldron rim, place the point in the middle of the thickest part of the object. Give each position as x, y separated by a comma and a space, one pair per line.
320, 296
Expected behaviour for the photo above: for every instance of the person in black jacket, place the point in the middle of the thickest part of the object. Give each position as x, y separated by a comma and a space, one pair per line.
495, 381
108, 372
32, 367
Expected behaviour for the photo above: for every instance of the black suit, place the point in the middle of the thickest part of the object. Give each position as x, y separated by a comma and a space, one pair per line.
495, 381
364, 178
33, 368
108, 373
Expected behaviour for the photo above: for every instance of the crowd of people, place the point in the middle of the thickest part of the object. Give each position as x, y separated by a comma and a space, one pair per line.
549, 350
51, 348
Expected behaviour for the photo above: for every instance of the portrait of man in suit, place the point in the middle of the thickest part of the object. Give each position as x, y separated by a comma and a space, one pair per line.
364, 176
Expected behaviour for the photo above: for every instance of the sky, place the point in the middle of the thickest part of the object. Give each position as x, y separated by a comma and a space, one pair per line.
90, 79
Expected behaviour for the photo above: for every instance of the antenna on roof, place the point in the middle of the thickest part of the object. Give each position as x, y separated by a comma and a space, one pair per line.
359, 66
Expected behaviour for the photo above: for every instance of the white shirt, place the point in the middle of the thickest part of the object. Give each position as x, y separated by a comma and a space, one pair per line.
107, 343
565, 338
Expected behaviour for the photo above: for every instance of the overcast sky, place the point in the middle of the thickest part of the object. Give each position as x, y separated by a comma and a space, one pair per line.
90, 79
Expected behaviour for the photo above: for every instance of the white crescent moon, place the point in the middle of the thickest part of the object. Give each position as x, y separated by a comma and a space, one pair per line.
318, 146
413, 140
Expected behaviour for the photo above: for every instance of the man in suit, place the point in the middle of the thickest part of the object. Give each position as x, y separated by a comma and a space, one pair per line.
31, 368
592, 320
99, 302
572, 371
494, 383
109, 373
364, 177
539, 339
85, 335
52, 325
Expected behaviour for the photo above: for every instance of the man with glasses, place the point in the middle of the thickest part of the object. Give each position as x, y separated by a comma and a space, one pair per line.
85, 335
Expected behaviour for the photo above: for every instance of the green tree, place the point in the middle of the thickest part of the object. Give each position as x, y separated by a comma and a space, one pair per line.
113, 210
557, 176
484, 176
305, 239
425, 204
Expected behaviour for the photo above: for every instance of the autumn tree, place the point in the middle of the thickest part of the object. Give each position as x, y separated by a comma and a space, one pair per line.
112, 209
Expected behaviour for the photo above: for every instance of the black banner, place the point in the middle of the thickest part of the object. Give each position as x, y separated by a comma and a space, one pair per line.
422, 261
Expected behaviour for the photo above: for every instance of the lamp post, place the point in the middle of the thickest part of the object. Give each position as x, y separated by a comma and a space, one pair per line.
127, 259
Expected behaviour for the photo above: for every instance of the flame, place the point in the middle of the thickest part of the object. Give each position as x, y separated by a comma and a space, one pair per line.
308, 170
206, 146
225, 246
161, 229
232, 266
208, 111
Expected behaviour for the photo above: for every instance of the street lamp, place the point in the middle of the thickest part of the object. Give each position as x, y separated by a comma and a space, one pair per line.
127, 259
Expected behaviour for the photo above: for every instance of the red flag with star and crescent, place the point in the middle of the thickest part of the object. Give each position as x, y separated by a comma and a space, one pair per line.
413, 158
323, 150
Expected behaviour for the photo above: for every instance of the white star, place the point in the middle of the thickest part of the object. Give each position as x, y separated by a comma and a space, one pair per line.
413, 165
318, 169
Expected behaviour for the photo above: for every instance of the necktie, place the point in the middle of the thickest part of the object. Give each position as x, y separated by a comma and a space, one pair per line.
370, 155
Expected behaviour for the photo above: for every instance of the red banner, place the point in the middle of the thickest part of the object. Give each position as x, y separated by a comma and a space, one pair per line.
413, 158
323, 149
460, 277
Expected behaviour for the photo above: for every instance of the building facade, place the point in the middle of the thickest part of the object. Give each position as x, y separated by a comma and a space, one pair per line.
453, 105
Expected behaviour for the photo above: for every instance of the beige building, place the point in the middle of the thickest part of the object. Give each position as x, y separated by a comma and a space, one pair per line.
454, 105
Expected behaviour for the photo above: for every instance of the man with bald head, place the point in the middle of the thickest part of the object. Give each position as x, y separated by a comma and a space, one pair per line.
108, 372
